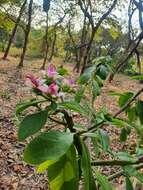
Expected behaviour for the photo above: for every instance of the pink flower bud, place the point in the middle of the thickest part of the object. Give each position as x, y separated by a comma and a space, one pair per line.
53, 89
43, 89
51, 71
35, 81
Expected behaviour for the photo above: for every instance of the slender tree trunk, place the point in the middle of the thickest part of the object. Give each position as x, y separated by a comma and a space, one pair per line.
138, 61
86, 56
14, 30
47, 43
53, 47
94, 28
74, 44
82, 45
28, 27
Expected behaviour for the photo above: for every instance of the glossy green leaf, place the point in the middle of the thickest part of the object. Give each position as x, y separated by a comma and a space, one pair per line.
84, 79
23, 106
118, 122
31, 124
48, 146
64, 174
102, 72
73, 106
124, 98
124, 134
103, 181
88, 179
45, 165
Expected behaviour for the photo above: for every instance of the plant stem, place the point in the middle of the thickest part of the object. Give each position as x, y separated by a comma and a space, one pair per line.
120, 173
115, 163
56, 121
131, 100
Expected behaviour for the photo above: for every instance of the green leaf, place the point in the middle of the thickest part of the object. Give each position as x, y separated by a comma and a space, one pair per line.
129, 185
102, 72
31, 124
53, 106
125, 157
84, 78
89, 183
95, 90
45, 165
139, 108
124, 134
118, 122
104, 139
64, 174
132, 115
129, 170
95, 145
79, 94
86, 75
48, 146
103, 181
73, 106
124, 98
23, 106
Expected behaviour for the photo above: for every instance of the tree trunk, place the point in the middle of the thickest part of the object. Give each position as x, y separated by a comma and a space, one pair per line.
138, 61
47, 43
14, 30
74, 44
28, 27
86, 56
81, 50
53, 47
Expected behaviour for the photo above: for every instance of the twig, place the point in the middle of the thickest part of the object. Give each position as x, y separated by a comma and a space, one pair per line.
120, 173
131, 100
128, 103
115, 163
56, 121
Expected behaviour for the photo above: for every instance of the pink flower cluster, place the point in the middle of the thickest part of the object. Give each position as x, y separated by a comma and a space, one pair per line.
52, 88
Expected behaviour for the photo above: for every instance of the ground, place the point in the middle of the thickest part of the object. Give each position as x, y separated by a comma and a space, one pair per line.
14, 173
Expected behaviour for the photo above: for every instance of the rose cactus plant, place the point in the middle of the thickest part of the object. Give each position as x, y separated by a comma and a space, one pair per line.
64, 152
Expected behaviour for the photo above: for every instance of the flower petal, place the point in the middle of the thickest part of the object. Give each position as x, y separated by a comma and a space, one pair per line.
35, 81
43, 89
53, 89
52, 71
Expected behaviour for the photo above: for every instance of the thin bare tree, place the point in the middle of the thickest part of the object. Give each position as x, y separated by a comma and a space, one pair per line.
14, 30
27, 31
